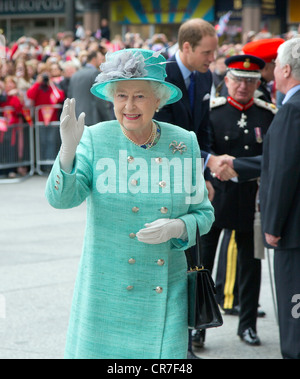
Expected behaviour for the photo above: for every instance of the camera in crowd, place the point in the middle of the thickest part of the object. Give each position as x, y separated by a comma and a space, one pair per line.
45, 79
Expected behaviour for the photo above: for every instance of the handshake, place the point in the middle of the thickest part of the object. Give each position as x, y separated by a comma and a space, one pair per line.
221, 167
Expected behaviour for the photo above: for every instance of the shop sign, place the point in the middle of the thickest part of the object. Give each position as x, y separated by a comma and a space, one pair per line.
11, 7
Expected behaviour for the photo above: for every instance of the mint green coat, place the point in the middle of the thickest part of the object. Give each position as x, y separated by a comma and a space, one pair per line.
130, 298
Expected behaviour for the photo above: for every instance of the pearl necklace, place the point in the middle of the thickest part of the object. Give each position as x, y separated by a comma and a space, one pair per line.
151, 137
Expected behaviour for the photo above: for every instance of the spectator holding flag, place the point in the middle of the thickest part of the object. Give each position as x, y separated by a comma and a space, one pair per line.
221, 27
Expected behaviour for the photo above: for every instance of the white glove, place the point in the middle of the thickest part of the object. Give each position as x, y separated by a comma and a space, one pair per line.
71, 132
162, 230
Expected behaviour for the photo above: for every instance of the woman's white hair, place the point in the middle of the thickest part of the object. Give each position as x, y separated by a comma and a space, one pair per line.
289, 54
161, 92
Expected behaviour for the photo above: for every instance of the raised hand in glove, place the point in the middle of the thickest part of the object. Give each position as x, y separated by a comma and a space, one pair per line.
71, 131
162, 230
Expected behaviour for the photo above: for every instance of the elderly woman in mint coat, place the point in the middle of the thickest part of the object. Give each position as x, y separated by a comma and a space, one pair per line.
146, 196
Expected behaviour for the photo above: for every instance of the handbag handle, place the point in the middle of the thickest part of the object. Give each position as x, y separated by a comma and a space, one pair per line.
199, 254
199, 248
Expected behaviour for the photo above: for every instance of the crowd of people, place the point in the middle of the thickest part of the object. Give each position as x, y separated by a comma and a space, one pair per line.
37, 73
242, 89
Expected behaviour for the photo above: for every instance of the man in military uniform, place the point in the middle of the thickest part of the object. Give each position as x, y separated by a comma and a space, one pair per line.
227, 288
238, 125
266, 49
247, 168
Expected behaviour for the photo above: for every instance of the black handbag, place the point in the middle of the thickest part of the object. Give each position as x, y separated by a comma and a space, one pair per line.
203, 309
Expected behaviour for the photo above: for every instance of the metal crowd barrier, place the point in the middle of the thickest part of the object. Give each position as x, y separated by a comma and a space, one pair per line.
16, 147
47, 137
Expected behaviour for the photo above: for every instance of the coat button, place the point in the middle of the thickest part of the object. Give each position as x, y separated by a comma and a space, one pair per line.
158, 160
129, 288
162, 184
246, 131
226, 138
160, 262
134, 182
132, 235
135, 209
246, 147
158, 289
56, 188
164, 210
131, 261
130, 159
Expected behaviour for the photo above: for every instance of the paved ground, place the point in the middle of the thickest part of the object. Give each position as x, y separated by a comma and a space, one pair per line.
39, 255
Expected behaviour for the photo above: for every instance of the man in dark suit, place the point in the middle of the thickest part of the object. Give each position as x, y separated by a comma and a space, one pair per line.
247, 168
280, 196
188, 69
96, 110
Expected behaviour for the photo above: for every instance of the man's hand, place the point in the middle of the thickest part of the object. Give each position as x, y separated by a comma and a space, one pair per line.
227, 160
272, 240
221, 170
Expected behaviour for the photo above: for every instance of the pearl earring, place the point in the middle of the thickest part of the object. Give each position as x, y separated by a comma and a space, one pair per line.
157, 110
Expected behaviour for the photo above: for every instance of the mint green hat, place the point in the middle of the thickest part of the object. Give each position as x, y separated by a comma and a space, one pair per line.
133, 64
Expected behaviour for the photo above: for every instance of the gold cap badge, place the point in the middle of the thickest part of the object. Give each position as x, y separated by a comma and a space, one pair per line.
247, 63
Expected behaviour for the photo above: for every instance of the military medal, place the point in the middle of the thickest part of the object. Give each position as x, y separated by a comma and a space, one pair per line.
258, 135
243, 121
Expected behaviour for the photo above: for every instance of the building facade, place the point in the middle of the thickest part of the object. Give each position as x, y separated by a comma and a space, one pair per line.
36, 18
45, 18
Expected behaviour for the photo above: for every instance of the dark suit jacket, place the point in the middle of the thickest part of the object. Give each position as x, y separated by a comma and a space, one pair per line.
248, 168
96, 110
280, 176
180, 113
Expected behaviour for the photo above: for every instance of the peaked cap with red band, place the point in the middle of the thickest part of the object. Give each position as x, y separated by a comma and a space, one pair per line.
265, 49
247, 66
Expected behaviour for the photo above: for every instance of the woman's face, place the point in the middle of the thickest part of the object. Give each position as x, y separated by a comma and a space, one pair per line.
135, 104
55, 70
20, 70
9, 85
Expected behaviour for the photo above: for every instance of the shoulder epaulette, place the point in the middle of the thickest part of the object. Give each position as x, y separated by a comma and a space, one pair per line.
264, 104
217, 102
